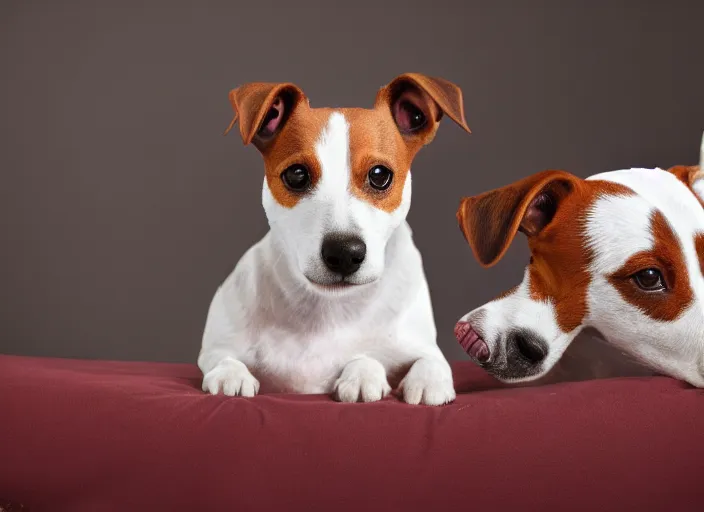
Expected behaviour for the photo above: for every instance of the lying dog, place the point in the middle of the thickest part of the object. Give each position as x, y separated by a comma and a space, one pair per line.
334, 297
621, 252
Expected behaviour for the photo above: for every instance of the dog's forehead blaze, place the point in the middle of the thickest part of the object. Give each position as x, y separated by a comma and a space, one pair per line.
561, 257
668, 255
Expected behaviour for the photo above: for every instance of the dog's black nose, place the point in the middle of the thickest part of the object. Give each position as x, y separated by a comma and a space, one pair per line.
527, 346
343, 254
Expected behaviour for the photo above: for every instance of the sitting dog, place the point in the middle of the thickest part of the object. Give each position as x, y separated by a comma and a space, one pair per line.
334, 298
621, 252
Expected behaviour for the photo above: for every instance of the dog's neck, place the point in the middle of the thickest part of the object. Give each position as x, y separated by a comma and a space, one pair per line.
690, 370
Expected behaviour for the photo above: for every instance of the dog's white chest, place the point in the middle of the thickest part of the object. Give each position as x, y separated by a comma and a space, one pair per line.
292, 340
300, 363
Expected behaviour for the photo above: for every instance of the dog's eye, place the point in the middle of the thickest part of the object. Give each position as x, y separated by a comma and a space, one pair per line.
649, 280
296, 177
380, 177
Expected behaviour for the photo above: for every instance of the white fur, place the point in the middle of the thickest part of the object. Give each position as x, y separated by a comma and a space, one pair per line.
677, 347
618, 227
295, 336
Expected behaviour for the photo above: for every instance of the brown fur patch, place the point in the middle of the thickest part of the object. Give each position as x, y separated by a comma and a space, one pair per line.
666, 255
559, 270
699, 245
294, 145
375, 140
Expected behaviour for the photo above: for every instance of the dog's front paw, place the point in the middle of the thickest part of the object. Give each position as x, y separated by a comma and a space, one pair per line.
428, 382
232, 378
363, 379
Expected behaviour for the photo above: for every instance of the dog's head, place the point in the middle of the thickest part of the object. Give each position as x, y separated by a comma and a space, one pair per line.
622, 252
337, 181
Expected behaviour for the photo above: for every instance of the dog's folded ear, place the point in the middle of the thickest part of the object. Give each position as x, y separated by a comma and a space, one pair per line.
417, 103
692, 175
263, 109
490, 220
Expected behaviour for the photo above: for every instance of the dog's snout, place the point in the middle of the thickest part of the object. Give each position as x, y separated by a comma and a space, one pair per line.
529, 346
343, 254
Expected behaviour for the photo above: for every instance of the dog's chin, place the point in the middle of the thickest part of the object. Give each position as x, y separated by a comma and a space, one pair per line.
509, 378
510, 374
336, 286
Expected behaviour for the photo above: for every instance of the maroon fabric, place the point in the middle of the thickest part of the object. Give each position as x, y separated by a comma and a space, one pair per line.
102, 436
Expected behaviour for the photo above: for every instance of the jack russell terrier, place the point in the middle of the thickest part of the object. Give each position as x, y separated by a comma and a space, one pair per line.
621, 252
333, 299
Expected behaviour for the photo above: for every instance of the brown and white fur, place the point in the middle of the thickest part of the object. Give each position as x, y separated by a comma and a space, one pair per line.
621, 252
334, 298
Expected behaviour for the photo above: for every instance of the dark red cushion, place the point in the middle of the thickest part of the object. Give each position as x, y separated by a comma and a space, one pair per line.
100, 436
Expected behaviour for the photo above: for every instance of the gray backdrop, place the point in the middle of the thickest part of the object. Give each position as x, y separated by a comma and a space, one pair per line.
122, 207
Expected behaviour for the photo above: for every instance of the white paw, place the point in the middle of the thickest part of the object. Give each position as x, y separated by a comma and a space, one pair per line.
428, 382
363, 379
232, 378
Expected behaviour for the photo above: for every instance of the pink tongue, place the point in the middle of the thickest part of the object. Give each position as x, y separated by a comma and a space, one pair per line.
471, 342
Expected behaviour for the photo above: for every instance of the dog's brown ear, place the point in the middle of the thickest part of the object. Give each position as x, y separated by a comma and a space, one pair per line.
490, 220
692, 175
263, 109
417, 103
